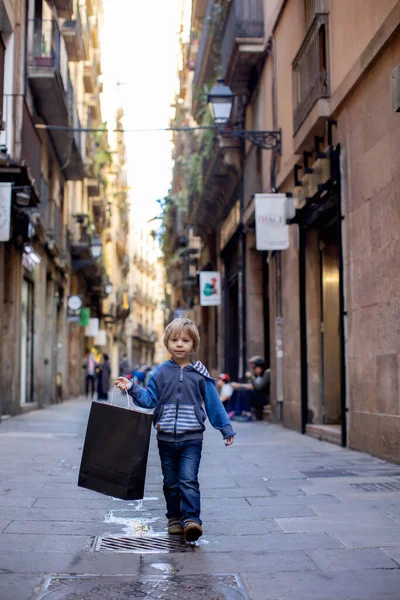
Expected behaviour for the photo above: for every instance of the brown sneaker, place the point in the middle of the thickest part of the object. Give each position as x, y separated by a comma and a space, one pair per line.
174, 526
192, 531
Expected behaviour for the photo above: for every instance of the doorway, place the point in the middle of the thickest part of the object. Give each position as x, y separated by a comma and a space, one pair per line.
26, 373
330, 326
231, 327
322, 320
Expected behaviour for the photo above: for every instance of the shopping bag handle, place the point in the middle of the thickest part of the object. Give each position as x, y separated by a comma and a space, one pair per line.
127, 397
131, 406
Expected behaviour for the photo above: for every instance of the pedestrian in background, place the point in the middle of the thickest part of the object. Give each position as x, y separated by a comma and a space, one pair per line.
103, 378
124, 365
177, 390
90, 365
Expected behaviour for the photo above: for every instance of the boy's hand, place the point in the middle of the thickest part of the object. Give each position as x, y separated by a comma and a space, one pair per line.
123, 384
229, 440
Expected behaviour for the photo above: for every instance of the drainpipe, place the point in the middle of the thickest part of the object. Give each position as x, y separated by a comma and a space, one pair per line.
278, 258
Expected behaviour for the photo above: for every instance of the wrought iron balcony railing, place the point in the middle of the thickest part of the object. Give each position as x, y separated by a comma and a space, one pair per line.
245, 20
203, 44
311, 71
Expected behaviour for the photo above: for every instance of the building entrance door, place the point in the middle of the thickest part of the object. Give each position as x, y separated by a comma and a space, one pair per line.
26, 380
231, 327
330, 326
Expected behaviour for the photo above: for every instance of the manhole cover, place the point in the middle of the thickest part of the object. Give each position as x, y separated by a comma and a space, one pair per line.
142, 544
377, 487
328, 473
199, 587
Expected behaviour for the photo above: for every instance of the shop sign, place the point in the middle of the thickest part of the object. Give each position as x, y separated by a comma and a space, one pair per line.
101, 338
272, 232
5, 212
93, 328
210, 288
74, 306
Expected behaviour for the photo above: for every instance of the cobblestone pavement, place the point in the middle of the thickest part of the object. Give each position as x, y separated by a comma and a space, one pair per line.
286, 517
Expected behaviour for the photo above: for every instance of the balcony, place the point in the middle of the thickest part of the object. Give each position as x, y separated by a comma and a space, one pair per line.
22, 170
80, 238
204, 70
53, 94
242, 43
76, 36
208, 201
89, 76
55, 229
65, 8
93, 101
311, 76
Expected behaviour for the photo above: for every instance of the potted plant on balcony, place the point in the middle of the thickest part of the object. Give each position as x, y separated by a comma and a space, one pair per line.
44, 59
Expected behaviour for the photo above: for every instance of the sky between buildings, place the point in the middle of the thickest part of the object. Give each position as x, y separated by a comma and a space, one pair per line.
139, 60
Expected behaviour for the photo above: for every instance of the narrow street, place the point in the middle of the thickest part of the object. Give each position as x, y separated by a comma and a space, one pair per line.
285, 516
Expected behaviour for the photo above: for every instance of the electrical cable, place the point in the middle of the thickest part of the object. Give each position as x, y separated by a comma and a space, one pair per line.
44, 127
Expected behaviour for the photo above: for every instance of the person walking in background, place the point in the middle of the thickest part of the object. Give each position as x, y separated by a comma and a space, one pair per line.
177, 390
103, 378
124, 365
90, 366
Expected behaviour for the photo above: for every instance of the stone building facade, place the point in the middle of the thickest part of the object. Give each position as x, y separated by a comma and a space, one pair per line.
325, 311
51, 186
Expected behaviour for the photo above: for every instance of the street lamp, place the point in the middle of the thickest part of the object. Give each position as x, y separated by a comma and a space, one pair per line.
221, 100
96, 246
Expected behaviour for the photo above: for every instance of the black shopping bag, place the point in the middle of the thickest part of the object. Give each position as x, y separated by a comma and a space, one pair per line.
114, 457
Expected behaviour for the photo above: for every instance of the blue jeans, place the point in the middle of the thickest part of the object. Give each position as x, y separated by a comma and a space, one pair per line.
180, 463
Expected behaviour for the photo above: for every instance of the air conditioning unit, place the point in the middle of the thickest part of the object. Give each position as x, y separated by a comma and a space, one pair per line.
396, 89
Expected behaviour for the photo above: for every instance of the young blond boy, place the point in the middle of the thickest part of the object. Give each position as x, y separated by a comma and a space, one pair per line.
177, 390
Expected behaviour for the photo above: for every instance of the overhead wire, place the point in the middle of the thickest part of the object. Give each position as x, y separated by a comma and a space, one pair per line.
44, 127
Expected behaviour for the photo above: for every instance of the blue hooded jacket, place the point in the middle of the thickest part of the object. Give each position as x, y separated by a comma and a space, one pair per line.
177, 394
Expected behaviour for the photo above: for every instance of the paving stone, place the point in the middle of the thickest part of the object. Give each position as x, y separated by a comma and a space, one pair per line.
52, 514
269, 542
47, 527
45, 543
321, 585
18, 587
16, 502
351, 560
335, 523
238, 527
394, 553
308, 500
91, 503
4, 524
260, 512
226, 562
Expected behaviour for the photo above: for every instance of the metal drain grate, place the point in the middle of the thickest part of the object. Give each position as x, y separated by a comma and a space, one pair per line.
377, 487
142, 544
328, 473
186, 587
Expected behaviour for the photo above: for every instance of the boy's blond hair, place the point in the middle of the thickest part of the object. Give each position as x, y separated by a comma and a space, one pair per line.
178, 326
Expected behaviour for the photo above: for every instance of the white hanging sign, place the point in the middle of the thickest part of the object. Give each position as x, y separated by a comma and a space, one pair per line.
272, 232
5, 211
101, 338
92, 329
210, 288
